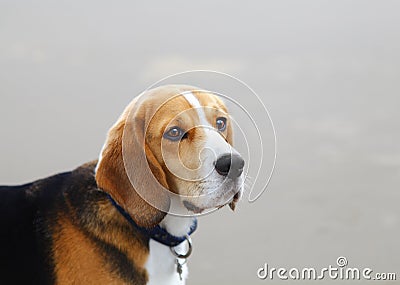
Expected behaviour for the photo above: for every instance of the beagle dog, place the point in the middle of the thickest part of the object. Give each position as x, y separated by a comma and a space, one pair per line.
126, 218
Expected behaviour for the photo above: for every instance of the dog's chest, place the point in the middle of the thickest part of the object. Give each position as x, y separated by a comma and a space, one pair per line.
161, 266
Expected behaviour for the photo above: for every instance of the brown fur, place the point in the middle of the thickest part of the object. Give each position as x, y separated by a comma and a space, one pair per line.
79, 261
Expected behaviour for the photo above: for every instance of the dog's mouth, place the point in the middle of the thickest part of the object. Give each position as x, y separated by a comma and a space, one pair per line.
197, 210
232, 204
192, 207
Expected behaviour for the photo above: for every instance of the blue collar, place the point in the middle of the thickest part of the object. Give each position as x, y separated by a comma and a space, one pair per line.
156, 233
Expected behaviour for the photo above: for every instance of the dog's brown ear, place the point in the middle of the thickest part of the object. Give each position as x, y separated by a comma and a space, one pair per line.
130, 173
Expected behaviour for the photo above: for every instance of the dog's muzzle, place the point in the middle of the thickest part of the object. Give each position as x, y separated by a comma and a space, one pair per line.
230, 165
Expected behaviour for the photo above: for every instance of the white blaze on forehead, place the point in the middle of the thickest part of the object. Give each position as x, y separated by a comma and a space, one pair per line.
214, 141
194, 102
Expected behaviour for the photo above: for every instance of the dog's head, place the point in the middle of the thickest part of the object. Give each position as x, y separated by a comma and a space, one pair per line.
171, 140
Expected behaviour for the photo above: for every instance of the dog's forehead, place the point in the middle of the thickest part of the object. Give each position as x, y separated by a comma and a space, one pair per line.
184, 102
209, 100
203, 101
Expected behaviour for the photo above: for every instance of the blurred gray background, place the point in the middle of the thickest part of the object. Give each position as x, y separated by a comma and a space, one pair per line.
328, 71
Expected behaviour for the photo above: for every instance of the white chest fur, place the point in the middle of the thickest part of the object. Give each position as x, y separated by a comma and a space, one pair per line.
161, 265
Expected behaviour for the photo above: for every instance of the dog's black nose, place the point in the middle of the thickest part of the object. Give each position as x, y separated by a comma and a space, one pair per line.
230, 165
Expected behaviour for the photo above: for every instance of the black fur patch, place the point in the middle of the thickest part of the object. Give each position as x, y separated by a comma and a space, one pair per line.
28, 214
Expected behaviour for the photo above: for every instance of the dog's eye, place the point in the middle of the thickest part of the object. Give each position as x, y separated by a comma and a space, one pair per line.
175, 134
221, 124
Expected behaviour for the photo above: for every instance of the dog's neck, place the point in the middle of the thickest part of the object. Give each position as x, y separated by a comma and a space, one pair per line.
161, 264
176, 224
171, 233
